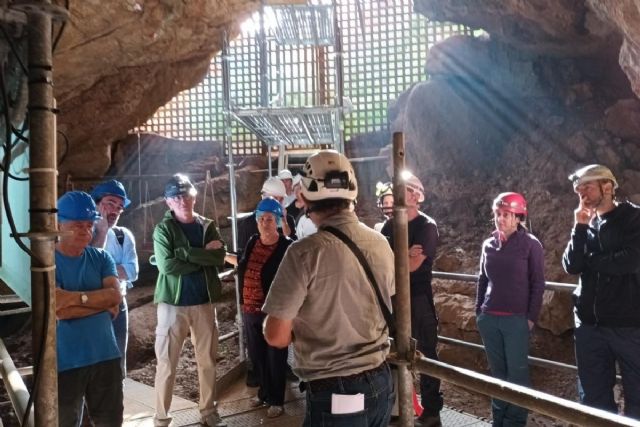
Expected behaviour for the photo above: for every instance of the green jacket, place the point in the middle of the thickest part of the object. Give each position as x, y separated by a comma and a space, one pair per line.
174, 257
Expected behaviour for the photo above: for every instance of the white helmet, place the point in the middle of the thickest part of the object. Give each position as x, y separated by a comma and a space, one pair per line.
592, 173
273, 187
413, 183
328, 174
285, 174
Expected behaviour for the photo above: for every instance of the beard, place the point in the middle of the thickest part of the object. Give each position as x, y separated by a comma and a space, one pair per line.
112, 219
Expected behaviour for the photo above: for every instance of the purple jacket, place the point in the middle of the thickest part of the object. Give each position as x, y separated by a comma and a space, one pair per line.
511, 276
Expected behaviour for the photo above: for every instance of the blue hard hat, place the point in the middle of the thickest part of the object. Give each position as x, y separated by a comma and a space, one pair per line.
179, 185
111, 188
77, 206
271, 205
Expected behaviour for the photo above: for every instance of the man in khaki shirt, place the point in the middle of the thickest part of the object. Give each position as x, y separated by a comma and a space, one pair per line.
322, 300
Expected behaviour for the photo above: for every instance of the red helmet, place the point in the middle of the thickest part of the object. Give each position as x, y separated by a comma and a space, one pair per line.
511, 202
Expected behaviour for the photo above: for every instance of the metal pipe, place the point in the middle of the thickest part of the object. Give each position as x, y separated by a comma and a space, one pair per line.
228, 336
16, 388
537, 401
228, 143
462, 277
42, 202
402, 299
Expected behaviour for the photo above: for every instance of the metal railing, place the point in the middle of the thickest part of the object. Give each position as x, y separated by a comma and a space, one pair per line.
537, 401
462, 277
16, 388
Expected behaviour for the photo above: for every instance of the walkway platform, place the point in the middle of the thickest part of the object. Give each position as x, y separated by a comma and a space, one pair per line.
236, 412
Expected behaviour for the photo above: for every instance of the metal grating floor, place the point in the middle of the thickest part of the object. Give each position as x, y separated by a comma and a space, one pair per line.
236, 412
302, 126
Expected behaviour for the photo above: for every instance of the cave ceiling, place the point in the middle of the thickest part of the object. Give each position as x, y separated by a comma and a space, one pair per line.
118, 61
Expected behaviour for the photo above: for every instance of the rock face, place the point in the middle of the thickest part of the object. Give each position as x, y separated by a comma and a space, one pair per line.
505, 119
119, 60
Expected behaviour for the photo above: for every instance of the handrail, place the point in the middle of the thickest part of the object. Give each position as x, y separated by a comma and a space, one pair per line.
537, 401
534, 361
463, 277
16, 388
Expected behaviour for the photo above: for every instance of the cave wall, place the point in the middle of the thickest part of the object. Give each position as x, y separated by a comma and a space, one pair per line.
553, 86
118, 61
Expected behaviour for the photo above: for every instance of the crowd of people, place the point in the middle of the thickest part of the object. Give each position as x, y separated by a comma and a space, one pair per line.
317, 291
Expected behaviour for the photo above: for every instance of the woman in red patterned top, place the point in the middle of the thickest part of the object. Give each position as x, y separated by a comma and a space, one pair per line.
256, 270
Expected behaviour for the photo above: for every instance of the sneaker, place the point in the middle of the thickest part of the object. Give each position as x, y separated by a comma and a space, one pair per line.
255, 402
161, 422
275, 411
425, 420
213, 420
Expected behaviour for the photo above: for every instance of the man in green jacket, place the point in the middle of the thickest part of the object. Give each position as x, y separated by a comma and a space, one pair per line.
188, 251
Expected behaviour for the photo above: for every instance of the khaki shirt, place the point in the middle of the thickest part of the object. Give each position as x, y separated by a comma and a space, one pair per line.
338, 326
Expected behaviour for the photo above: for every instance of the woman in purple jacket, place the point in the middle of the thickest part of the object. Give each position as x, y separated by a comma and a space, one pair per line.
509, 297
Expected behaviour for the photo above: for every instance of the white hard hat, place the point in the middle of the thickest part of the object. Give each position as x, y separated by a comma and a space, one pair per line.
328, 174
285, 174
413, 183
273, 187
592, 173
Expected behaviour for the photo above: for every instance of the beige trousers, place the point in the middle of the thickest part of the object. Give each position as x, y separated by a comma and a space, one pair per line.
174, 324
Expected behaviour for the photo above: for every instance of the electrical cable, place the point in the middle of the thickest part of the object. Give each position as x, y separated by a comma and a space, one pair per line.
7, 118
14, 49
14, 231
66, 148
62, 26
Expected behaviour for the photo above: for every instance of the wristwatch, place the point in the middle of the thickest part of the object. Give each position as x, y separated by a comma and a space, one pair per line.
84, 298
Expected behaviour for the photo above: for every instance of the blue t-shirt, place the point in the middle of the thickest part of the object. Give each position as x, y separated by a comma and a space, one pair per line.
193, 290
86, 340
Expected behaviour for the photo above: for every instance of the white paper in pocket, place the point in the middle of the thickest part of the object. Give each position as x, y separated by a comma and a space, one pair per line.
347, 403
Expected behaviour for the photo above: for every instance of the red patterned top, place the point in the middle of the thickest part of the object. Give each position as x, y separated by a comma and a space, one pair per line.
252, 294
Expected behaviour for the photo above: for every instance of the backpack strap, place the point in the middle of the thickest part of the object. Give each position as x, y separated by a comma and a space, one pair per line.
388, 317
119, 234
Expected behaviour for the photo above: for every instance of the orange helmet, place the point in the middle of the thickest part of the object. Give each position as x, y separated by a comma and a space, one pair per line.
511, 202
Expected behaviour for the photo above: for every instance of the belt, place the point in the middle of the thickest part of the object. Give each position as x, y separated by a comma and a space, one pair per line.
331, 382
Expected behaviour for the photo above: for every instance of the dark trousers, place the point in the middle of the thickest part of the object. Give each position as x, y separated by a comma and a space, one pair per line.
506, 342
121, 330
424, 328
379, 395
100, 385
597, 351
269, 363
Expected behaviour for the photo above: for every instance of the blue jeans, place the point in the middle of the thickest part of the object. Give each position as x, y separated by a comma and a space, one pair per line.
597, 351
506, 342
379, 396
121, 330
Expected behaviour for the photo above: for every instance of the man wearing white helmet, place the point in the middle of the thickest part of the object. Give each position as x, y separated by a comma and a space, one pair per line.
605, 251
286, 177
322, 297
423, 240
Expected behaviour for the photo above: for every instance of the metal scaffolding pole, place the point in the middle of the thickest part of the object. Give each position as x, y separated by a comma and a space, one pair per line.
42, 195
228, 143
402, 306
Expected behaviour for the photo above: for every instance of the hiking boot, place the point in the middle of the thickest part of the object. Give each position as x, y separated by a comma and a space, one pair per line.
425, 420
275, 411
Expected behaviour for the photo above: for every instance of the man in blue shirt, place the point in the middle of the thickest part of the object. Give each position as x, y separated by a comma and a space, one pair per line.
87, 298
111, 200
